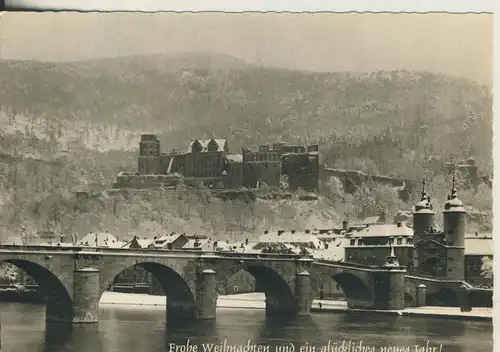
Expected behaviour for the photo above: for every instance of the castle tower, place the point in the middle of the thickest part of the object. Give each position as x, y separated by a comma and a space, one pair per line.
149, 155
454, 216
472, 170
423, 216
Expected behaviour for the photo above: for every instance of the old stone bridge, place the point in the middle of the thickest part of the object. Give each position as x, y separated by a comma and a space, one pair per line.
73, 279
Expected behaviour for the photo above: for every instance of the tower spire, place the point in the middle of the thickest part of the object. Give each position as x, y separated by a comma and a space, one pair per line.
423, 193
391, 259
392, 252
453, 193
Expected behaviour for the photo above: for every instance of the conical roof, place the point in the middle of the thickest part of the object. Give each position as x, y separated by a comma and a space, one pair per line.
453, 204
424, 205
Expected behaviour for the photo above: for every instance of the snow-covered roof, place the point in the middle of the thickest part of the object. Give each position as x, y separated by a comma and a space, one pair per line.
162, 240
142, 242
204, 244
100, 239
385, 230
479, 245
221, 144
289, 237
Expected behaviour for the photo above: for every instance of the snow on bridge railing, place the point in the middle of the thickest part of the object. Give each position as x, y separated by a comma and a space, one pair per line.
77, 249
348, 264
261, 255
420, 274
55, 248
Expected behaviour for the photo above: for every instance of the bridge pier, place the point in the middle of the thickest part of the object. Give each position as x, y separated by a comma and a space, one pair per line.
86, 295
303, 293
83, 307
390, 289
206, 295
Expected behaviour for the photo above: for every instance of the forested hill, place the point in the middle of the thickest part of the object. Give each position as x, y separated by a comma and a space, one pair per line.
74, 126
381, 122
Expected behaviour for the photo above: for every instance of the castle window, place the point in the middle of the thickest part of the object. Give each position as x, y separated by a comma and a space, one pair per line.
400, 241
360, 242
353, 242
409, 241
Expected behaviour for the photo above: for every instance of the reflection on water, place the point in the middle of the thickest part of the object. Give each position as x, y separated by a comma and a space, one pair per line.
56, 336
132, 329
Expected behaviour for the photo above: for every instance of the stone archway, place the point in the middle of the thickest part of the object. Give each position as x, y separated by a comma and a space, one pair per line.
280, 299
356, 292
58, 295
181, 302
430, 266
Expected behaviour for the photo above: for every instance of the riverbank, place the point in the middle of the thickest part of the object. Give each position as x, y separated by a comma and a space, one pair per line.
256, 301
245, 300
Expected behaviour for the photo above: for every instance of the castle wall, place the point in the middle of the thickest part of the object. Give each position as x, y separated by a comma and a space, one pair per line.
179, 164
165, 162
235, 175
267, 172
302, 170
149, 155
146, 181
205, 164
466, 172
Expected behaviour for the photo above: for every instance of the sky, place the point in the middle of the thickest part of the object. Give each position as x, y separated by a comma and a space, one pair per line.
459, 45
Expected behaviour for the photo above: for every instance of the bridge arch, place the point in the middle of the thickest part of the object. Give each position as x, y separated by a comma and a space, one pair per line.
356, 284
56, 289
356, 291
278, 288
179, 291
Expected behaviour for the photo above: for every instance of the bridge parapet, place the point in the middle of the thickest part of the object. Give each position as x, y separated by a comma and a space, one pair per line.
359, 266
365, 286
437, 289
190, 278
152, 251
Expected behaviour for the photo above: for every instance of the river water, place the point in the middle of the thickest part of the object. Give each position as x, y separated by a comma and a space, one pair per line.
143, 329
